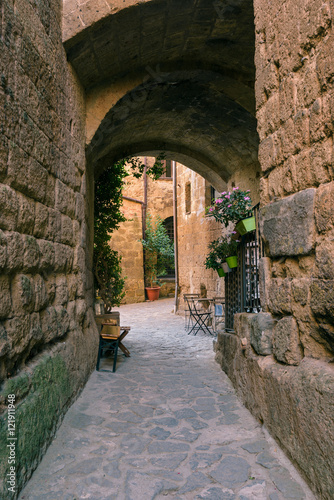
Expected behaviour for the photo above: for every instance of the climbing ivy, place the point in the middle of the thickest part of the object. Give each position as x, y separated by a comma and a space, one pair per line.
107, 217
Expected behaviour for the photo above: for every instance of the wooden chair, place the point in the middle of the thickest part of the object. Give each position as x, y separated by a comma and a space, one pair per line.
200, 316
111, 336
187, 315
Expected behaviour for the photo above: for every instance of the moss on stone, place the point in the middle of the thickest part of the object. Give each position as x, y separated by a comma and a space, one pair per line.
37, 415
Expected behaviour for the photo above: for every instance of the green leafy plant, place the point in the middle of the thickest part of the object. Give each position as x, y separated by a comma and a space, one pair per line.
107, 217
231, 207
159, 250
220, 249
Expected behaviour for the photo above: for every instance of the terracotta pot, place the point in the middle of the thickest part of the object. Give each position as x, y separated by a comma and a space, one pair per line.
153, 293
232, 261
246, 225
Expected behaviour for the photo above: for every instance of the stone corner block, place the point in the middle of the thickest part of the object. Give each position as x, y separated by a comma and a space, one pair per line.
286, 344
287, 226
262, 327
242, 324
324, 207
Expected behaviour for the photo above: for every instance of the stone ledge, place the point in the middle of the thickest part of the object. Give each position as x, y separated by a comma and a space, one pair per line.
287, 226
295, 403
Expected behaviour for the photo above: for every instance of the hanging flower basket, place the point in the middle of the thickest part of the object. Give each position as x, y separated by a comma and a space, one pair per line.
221, 272
246, 225
232, 261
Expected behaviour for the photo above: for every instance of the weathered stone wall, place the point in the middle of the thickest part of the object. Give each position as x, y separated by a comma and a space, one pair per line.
47, 338
294, 93
126, 241
280, 360
194, 234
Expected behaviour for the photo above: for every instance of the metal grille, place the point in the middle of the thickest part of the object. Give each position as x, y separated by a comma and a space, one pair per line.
233, 283
242, 283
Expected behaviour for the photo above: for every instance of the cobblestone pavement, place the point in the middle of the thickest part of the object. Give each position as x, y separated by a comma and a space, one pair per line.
167, 424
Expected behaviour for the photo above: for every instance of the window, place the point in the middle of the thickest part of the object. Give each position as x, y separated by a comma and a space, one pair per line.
169, 225
188, 197
168, 173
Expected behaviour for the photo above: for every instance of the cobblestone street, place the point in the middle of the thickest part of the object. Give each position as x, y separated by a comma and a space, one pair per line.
167, 424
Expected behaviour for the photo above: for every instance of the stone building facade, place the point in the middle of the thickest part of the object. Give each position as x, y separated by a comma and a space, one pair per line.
158, 201
246, 87
48, 336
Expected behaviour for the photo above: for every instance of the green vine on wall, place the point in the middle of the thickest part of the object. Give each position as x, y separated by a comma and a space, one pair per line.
107, 217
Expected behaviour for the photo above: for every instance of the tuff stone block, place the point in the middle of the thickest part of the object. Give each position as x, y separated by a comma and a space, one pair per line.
64, 256
26, 214
324, 207
66, 230
18, 330
324, 257
286, 343
63, 320
322, 299
49, 324
9, 208
23, 294
65, 200
54, 225
47, 255
5, 297
41, 221
3, 250
261, 333
279, 296
40, 293
3, 157
15, 251
62, 294
287, 225
30, 254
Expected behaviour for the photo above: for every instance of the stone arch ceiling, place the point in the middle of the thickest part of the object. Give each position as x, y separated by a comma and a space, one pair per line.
196, 61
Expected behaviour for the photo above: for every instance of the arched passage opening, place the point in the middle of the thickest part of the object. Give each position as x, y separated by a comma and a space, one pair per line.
185, 84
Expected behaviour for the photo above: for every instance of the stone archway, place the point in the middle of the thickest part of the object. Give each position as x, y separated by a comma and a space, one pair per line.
196, 57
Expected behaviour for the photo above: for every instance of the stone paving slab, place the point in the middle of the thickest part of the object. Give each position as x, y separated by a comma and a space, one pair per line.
167, 424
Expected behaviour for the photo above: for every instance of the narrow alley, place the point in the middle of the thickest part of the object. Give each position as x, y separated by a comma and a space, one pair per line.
166, 424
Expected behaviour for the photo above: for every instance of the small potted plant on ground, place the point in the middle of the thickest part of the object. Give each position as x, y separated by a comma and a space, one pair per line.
159, 254
222, 251
234, 206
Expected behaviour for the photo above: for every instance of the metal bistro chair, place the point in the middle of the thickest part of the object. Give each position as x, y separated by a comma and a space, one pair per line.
218, 312
187, 315
199, 317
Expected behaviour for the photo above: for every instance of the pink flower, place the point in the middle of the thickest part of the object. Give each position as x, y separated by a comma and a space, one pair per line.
211, 209
219, 200
224, 192
234, 232
246, 198
227, 196
234, 189
228, 206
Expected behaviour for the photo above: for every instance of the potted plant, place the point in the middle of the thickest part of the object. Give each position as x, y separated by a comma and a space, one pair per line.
222, 251
159, 254
234, 206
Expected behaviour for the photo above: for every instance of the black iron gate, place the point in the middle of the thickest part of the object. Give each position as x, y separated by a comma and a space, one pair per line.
242, 283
